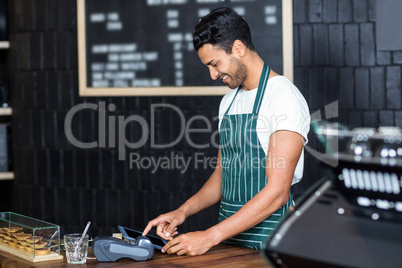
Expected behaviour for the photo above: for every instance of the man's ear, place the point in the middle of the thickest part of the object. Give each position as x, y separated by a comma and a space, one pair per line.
238, 48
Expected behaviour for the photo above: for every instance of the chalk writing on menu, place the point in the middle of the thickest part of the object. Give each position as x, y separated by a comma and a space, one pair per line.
149, 43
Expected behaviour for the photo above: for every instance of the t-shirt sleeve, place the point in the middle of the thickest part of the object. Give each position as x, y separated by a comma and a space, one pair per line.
290, 112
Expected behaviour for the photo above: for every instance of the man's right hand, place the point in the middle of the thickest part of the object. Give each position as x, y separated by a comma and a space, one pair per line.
166, 224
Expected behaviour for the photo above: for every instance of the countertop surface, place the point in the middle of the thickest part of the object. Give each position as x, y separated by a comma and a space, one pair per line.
219, 256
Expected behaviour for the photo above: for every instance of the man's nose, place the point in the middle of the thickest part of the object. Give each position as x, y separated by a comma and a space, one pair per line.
214, 74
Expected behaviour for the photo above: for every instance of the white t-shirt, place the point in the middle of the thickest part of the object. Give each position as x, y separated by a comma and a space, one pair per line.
283, 108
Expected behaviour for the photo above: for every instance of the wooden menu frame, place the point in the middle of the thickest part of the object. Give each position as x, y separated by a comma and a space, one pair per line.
84, 90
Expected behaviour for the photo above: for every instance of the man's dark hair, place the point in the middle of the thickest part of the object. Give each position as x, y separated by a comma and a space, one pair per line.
221, 27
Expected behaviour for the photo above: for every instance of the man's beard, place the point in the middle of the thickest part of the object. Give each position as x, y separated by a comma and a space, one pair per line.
238, 73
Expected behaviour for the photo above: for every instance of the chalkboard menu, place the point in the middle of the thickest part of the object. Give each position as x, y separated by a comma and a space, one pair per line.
144, 47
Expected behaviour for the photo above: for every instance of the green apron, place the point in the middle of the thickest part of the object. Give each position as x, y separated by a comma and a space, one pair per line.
243, 169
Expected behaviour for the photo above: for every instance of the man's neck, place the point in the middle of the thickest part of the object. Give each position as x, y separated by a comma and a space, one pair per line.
254, 66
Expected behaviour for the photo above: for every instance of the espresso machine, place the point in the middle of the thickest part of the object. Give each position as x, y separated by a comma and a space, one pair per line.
353, 217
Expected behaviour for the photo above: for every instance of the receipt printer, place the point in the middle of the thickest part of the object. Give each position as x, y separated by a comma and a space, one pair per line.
107, 248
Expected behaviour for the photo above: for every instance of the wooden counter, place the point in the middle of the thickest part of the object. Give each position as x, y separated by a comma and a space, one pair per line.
219, 256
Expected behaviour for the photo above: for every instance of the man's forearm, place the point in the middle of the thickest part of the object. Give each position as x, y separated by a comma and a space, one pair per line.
253, 212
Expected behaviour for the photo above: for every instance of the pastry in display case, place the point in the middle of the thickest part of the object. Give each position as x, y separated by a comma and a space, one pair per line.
29, 238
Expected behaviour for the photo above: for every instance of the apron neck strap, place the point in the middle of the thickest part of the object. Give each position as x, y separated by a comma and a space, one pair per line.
260, 93
261, 88
237, 91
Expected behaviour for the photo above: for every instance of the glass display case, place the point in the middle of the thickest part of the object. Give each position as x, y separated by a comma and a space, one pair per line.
29, 238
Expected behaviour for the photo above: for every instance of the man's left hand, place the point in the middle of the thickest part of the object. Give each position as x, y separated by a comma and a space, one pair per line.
192, 244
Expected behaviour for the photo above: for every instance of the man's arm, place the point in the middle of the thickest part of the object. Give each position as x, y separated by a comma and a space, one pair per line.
208, 195
285, 146
284, 151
